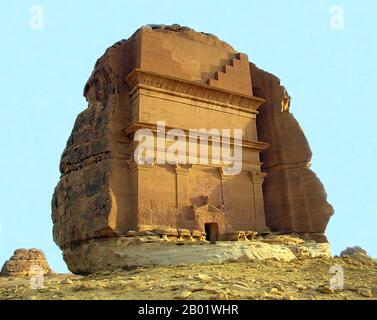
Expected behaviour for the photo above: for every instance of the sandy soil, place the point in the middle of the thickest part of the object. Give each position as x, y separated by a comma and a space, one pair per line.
298, 279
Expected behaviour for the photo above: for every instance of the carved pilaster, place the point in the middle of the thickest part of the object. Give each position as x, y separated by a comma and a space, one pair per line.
141, 188
257, 179
224, 177
182, 172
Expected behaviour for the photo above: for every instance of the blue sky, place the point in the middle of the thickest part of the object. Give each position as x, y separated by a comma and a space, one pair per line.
329, 73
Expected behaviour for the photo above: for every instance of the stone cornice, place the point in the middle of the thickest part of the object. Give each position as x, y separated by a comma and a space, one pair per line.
192, 90
133, 126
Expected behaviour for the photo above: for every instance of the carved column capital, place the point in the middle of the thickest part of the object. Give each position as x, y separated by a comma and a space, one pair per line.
183, 169
224, 175
134, 166
257, 177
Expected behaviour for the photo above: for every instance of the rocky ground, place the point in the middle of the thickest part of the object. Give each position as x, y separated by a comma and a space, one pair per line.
297, 279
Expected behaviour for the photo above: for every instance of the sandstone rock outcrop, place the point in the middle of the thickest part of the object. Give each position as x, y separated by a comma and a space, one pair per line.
357, 255
26, 263
350, 251
189, 80
117, 253
294, 198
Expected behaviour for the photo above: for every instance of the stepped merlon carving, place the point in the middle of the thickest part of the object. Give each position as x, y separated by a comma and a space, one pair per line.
234, 76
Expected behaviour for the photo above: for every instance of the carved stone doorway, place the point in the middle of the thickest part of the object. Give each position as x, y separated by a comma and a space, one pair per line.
212, 232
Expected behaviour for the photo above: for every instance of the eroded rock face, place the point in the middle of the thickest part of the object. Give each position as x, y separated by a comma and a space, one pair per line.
358, 256
350, 251
294, 198
26, 263
103, 194
114, 253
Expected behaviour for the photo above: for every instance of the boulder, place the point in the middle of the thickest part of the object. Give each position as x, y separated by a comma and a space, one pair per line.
358, 256
350, 251
26, 263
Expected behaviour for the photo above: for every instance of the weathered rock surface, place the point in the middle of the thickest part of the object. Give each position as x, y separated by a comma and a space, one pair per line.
294, 198
25, 263
117, 253
357, 255
350, 251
